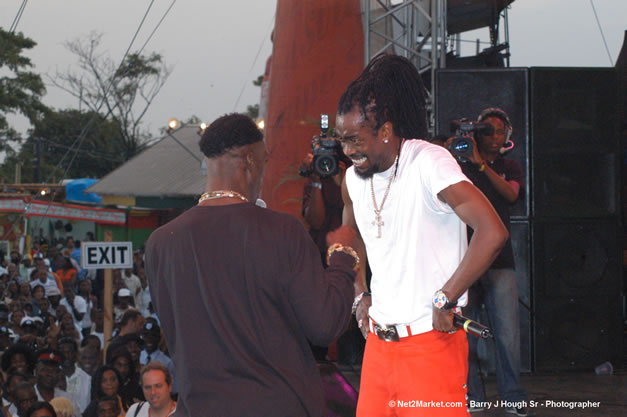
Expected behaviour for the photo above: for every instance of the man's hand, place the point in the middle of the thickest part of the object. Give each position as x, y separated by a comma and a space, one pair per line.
361, 315
345, 235
475, 158
306, 164
443, 320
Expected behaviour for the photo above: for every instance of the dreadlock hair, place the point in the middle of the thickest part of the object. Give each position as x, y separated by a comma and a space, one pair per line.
227, 132
389, 89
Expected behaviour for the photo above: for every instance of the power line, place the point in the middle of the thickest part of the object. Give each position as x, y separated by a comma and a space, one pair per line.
85, 129
602, 35
263, 41
18, 16
156, 27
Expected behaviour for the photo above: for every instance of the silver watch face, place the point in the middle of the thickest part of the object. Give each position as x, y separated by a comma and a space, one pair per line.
439, 299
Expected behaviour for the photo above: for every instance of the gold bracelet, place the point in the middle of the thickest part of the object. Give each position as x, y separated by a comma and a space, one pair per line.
338, 247
482, 167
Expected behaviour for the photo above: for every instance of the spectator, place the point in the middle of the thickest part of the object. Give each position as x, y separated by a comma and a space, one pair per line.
108, 407
90, 358
130, 391
105, 383
48, 367
31, 333
74, 304
123, 304
8, 400
156, 383
151, 335
144, 299
45, 409
11, 292
131, 321
14, 273
53, 295
25, 396
19, 358
67, 327
134, 285
6, 338
38, 293
84, 290
65, 270
98, 326
63, 407
43, 265
78, 381
39, 277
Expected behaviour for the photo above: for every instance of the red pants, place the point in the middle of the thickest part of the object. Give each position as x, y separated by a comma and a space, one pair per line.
422, 375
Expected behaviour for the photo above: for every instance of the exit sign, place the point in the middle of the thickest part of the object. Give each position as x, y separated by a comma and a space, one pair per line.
102, 255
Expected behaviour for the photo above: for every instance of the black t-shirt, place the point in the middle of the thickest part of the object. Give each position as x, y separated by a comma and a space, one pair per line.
510, 170
239, 290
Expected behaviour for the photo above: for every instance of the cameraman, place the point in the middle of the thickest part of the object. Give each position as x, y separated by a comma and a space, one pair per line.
500, 179
322, 210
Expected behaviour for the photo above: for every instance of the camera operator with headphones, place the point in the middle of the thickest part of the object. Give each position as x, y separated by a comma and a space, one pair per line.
500, 179
324, 170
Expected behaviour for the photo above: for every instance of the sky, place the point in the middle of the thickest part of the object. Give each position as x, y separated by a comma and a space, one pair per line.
216, 48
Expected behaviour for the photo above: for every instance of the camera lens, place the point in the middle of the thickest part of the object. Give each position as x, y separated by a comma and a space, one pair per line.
325, 165
462, 146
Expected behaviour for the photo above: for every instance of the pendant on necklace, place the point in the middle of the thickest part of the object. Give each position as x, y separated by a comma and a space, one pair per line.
378, 222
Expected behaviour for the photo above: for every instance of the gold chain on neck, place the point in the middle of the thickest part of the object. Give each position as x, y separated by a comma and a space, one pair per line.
378, 221
212, 195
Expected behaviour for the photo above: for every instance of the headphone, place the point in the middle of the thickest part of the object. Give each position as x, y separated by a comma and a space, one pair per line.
496, 112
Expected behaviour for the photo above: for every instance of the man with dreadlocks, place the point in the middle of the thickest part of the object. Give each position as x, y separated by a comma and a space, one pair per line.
410, 202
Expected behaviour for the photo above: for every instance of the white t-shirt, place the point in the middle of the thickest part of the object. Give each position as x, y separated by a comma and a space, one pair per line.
422, 239
133, 283
143, 411
79, 386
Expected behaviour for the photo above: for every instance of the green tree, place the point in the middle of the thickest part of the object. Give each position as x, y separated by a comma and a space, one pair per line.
253, 110
57, 135
20, 89
122, 92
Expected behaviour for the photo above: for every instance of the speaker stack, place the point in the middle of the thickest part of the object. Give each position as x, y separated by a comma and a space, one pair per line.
565, 228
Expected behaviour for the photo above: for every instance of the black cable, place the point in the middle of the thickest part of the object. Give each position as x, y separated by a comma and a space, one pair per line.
602, 35
254, 62
85, 129
18, 16
156, 27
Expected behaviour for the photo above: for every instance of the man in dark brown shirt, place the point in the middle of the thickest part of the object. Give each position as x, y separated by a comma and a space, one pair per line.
239, 289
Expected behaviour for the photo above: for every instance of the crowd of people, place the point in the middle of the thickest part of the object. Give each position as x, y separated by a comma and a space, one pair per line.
52, 339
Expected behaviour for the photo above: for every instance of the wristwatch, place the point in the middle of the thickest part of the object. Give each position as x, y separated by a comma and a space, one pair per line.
441, 302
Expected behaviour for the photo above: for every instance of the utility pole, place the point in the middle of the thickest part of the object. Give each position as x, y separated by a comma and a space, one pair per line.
36, 160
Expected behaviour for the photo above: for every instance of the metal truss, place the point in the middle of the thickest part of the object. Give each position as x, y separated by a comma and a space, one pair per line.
415, 29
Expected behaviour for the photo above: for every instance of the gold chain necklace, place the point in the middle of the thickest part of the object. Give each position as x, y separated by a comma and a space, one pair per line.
377, 210
212, 195
378, 221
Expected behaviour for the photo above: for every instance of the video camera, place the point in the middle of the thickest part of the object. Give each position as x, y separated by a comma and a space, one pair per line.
462, 146
326, 153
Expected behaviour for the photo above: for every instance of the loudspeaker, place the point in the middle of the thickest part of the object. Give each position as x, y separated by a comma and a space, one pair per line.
575, 142
519, 233
576, 293
465, 93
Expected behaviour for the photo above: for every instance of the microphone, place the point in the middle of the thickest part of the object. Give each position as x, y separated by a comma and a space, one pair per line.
471, 326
